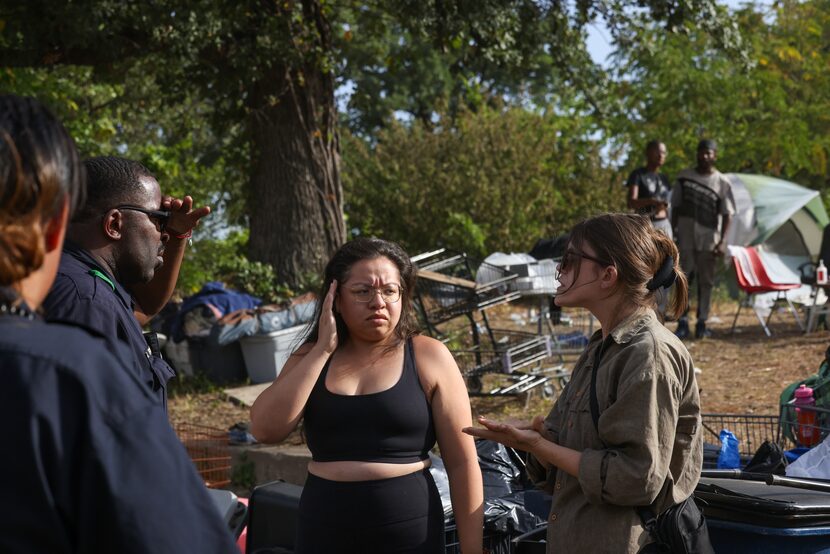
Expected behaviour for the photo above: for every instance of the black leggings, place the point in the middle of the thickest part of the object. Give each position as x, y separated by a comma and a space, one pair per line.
398, 515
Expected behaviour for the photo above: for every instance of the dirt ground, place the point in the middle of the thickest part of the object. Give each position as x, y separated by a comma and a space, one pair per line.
741, 373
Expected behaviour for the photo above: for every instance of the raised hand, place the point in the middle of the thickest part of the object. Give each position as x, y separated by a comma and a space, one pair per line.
183, 217
327, 330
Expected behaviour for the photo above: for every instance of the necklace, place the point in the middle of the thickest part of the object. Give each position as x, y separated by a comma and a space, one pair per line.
20, 310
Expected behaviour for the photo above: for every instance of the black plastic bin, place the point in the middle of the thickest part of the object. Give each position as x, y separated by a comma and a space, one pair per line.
220, 364
272, 518
747, 516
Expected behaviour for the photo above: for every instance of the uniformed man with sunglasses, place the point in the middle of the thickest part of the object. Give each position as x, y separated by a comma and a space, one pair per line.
121, 260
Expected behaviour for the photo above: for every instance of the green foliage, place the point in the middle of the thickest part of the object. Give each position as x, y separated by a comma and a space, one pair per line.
225, 261
770, 116
431, 59
498, 180
132, 119
258, 279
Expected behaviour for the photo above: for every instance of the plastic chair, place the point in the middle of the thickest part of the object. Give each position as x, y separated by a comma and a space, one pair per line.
753, 279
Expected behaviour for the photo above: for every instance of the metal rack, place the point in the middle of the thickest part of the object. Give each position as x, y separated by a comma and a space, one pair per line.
751, 430
452, 285
783, 429
802, 433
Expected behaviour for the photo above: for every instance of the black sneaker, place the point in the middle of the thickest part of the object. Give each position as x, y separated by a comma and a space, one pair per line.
701, 332
682, 331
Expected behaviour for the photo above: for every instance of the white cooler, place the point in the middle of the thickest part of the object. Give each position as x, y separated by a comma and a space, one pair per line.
266, 354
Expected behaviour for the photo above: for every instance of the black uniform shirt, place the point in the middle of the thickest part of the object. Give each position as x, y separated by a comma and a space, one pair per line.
91, 464
86, 294
649, 185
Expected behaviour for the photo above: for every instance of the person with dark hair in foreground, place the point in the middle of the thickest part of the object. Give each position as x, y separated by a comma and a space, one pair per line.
92, 465
625, 434
121, 261
374, 397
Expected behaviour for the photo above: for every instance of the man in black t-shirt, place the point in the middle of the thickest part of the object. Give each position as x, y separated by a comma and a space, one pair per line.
649, 190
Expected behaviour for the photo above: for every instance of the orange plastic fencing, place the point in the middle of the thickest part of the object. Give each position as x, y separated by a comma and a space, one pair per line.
209, 451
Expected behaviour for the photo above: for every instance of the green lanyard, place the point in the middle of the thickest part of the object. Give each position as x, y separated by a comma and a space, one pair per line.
103, 276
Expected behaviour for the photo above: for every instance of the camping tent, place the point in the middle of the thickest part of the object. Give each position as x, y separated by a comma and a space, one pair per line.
786, 219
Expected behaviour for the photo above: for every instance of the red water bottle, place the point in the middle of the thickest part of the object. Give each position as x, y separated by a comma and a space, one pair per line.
807, 431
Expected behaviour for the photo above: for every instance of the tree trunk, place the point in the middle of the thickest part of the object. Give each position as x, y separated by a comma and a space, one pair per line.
295, 195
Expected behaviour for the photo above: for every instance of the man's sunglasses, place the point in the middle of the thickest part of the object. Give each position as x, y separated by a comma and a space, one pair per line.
161, 217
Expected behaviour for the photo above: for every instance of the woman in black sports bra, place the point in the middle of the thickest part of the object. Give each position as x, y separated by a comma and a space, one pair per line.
374, 396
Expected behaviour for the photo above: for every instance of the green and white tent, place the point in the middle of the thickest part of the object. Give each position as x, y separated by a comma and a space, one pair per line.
786, 219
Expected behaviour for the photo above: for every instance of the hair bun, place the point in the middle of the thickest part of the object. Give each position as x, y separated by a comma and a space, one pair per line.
20, 252
664, 277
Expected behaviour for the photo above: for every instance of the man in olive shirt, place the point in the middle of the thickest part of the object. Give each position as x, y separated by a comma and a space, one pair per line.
702, 207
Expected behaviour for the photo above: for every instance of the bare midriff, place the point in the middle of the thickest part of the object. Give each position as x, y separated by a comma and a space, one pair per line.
363, 471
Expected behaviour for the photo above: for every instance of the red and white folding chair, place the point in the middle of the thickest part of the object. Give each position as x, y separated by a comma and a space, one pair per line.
753, 279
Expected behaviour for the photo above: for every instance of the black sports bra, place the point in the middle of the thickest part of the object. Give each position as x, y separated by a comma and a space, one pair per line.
392, 426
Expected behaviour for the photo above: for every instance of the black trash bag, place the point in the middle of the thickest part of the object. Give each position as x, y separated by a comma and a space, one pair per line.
501, 469
504, 478
509, 515
442, 482
769, 458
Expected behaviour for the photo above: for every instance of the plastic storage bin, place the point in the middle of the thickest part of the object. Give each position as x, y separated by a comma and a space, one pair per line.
751, 516
266, 354
220, 364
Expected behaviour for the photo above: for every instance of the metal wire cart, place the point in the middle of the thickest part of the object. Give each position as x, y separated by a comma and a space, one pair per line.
793, 427
452, 285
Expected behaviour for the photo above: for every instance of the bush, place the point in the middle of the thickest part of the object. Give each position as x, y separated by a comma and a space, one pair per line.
496, 180
225, 260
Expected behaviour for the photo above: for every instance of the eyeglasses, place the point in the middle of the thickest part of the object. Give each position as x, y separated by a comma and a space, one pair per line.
389, 293
570, 256
160, 217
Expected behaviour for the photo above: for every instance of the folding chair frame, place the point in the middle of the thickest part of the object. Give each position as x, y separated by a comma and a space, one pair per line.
755, 280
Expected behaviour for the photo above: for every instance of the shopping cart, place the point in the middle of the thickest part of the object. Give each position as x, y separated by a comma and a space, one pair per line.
784, 429
751, 430
803, 425
451, 284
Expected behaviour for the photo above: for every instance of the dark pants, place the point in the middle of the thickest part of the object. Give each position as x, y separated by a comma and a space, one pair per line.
396, 516
700, 267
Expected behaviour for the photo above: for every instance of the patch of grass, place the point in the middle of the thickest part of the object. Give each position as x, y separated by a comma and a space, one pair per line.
191, 384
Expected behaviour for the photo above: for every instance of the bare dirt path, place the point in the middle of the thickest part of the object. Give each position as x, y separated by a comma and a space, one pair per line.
742, 373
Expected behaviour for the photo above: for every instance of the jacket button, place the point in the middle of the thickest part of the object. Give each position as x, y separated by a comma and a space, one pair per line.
553, 517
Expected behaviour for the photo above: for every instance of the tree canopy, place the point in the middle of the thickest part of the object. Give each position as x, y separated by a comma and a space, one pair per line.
482, 125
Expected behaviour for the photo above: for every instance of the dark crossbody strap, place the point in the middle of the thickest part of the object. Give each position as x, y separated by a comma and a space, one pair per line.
646, 514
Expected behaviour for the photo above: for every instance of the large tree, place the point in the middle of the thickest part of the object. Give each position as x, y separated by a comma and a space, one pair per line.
265, 73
